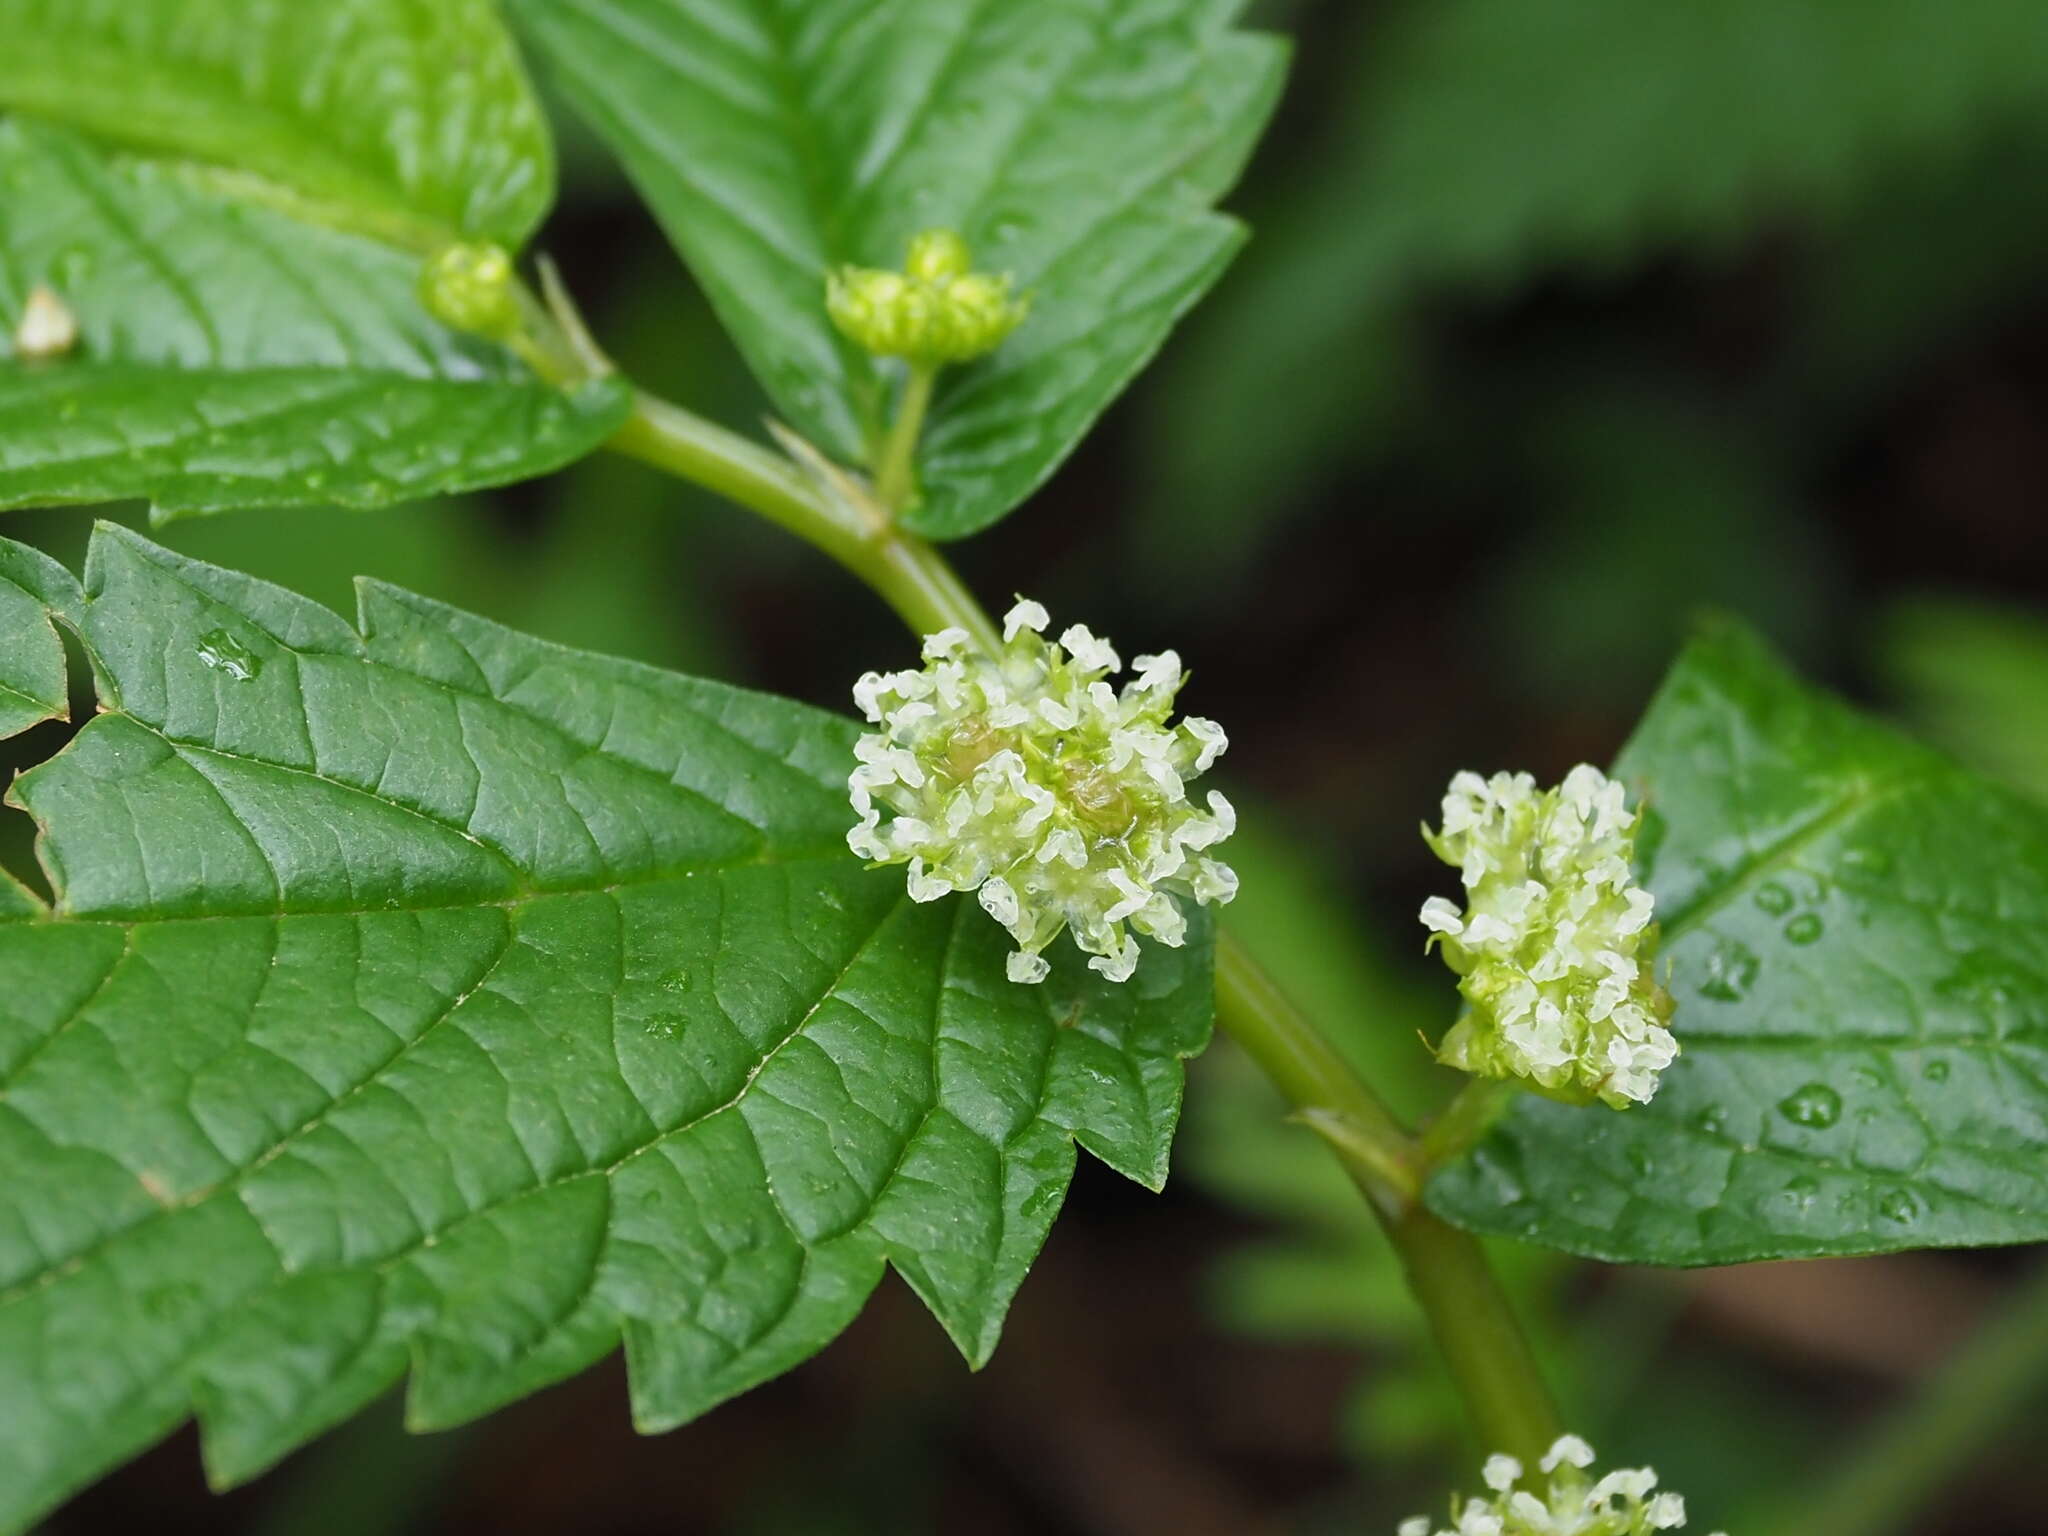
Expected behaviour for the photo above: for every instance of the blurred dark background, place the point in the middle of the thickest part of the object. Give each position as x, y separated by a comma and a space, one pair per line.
1564, 321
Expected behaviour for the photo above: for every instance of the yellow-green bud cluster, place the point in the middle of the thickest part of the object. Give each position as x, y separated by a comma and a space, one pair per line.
1026, 776
1622, 1503
1555, 948
936, 310
471, 288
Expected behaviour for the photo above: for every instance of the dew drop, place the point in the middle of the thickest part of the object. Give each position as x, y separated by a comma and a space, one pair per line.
1801, 1192
1815, 1106
1874, 862
224, 653
663, 1026
1713, 1120
1868, 1077
1936, 1071
1898, 1205
1641, 1161
1774, 899
1731, 972
677, 980
1805, 928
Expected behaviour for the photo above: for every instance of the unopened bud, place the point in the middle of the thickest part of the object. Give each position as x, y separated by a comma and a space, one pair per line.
472, 288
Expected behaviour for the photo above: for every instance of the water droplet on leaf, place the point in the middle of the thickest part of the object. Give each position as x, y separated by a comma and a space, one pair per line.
1801, 1192
1713, 1120
1774, 899
1731, 972
1815, 1106
224, 653
1898, 1205
1936, 1071
1805, 928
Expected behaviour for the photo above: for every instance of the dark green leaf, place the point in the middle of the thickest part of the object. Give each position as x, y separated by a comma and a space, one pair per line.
1080, 148
428, 995
31, 656
1857, 932
230, 356
408, 118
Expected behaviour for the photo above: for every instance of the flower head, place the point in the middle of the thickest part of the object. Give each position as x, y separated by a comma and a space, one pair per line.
1025, 775
936, 310
1554, 947
1623, 1503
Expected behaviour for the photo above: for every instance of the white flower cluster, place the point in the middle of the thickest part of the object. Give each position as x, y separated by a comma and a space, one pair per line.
1025, 775
1622, 1503
1555, 946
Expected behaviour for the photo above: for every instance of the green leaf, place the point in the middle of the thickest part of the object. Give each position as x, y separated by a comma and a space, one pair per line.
1857, 933
230, 356
1078, 147
1475, 145
427, 995
31, 656
410, 119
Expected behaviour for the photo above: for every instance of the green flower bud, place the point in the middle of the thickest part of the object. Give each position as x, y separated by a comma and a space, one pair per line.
471, 288
935, 311
937, 254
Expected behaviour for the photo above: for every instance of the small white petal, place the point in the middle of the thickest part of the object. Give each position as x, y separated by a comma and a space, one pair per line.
1025, 968
1501, 1472
945, 642
1117, 967
1441, 915
1666, 1512
1025, 615
1567, 1448
1089, 653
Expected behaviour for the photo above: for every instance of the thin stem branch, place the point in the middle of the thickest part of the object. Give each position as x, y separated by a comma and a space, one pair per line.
1448, 1272
896, 469
1450, 1276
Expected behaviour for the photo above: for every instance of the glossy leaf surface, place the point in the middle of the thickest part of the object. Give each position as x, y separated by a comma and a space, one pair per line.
1857, 934
421, 995
1078, 146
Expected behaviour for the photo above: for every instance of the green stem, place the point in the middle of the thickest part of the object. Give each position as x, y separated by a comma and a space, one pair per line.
1467, 1311
896, 469
908, 574
1977, 1397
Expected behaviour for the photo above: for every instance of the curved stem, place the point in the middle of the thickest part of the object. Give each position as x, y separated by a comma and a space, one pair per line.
1448, 1272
